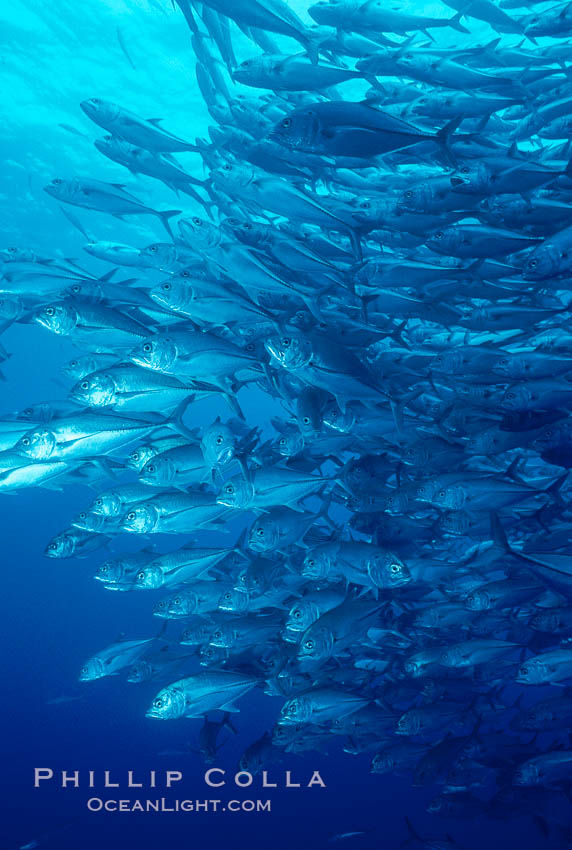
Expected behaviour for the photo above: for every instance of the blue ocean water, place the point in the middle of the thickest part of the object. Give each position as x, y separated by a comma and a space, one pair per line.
54, 615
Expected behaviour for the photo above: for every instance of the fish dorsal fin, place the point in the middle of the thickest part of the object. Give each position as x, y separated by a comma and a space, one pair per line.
155, 121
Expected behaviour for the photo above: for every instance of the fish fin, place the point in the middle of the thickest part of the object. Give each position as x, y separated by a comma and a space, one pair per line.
226, 721
455, 22
498, 532
229, 707
554, 488
175, 420
413, 835
165, 215
448, 130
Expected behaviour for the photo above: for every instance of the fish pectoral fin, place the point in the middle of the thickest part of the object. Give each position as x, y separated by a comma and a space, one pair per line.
229, 706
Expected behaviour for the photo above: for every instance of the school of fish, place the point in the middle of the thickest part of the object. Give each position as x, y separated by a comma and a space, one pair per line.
367, 262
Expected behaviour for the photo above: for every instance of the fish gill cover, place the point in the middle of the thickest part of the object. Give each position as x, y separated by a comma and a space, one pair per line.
315, 370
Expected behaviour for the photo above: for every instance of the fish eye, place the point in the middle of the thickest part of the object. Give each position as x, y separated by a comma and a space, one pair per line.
166, 287
197, 221
131, 515
260, 532
53, 546
227, 167
141, 575
409, 194
250, 346
82, 515
25, 441
306, 420
395, 568
309, 644
465, 169
177, 600
442, 494
311, 562
185, 273
50, 311
439, 235
510, 395
533, 264
153, 249
147, 347
151, 468
227, 595
524, 670
56, 182
297, 614
365, 205
282, 441
158, 703
287, 122
98, 503
229, 488
286, 342
84, 385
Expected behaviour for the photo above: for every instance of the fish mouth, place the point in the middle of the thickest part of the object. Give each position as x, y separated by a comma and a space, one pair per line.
458, 181
153, 713
140, 360
42, 320
79, 396
360, 217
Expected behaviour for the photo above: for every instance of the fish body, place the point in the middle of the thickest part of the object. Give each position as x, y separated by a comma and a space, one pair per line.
202, 692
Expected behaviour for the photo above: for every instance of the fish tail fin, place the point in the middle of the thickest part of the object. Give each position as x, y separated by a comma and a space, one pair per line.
445, 132
498, 533
312, 47
455, 22
165, 215
356, 243
234, 405
226, 721
413, 834
175, 421
554, 488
